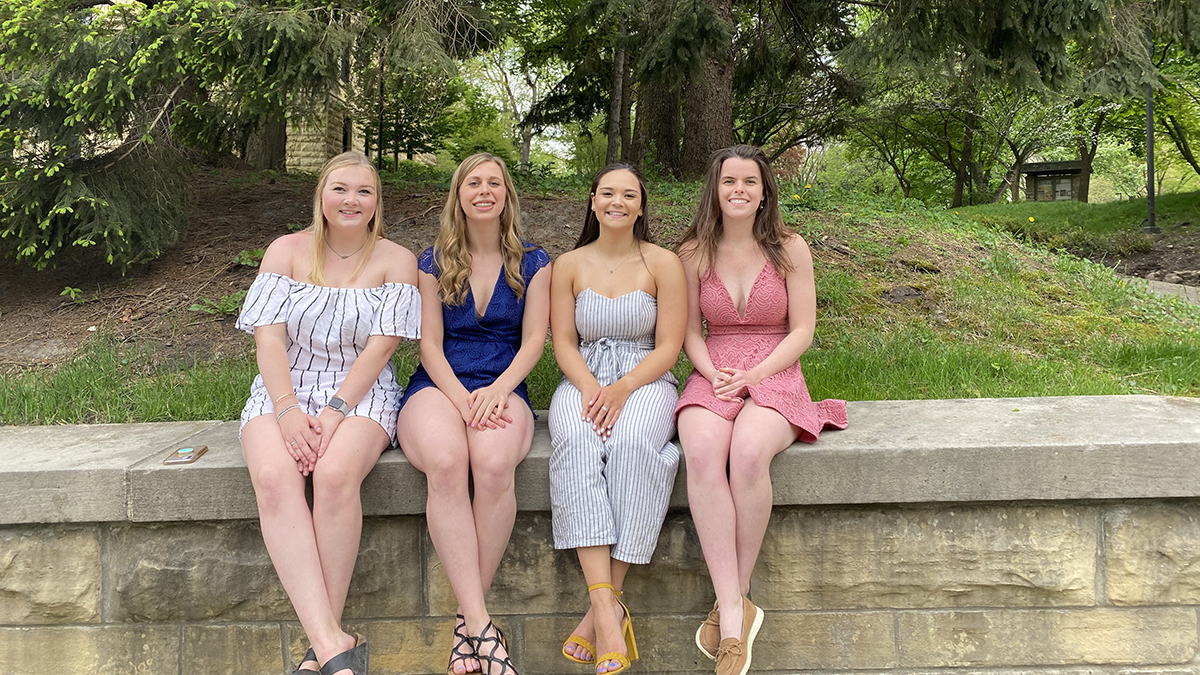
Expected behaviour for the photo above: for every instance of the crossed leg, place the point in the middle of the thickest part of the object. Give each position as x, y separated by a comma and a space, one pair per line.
469, 537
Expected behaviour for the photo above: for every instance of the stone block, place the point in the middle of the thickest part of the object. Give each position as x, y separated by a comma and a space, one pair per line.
1048, 637
676, 581
1152, 554
201, 571
90, 650
76, 473
939, 556
387, 579
193, 572
825, 641
231, 648
49, 575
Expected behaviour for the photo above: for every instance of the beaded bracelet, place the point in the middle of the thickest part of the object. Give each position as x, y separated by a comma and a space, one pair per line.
279, 415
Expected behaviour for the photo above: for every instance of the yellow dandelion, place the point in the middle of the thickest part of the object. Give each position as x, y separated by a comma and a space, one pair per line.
847, 213
808, 186
795, 196
1031, 219
956, 213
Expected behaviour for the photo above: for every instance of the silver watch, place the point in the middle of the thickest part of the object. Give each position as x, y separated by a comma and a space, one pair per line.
339, 405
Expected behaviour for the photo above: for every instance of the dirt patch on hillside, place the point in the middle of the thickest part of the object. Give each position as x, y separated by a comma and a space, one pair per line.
1173, 258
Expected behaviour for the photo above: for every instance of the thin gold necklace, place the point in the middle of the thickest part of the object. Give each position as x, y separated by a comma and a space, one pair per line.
618, 265
343, 257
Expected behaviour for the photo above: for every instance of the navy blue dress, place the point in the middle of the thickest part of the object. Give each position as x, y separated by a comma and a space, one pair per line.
479, 350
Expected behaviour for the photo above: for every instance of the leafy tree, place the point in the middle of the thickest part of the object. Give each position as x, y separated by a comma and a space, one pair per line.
99, 100
416, 112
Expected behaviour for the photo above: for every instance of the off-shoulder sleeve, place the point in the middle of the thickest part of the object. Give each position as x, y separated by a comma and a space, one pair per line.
533, 260
267, 301
399, 313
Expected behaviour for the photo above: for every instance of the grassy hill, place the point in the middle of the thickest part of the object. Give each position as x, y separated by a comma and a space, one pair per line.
912, 303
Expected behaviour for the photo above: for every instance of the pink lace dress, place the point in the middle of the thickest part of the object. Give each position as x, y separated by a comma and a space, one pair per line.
743, 342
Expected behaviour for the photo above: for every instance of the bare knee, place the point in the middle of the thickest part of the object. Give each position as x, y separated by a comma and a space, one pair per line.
492, 473
446, 471
750, 463
274, 486
705, 463
334, 484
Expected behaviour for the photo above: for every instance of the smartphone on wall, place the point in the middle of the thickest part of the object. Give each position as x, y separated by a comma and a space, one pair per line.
186, 455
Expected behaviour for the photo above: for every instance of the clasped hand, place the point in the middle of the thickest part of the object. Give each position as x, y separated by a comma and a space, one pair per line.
602, 406
731, 383
485, 408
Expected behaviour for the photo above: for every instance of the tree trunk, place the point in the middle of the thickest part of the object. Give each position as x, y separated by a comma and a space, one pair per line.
1085, 173
615, 106
267, 147
627, 112
708, 116
1087, 146
659, 127
1179, 135
962, 175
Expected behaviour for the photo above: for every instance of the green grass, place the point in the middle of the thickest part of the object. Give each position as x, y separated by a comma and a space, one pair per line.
1112, 228
1000, 317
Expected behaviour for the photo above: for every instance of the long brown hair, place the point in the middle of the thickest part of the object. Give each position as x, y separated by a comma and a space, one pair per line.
591, 225
318, 227
452, 249
707, 228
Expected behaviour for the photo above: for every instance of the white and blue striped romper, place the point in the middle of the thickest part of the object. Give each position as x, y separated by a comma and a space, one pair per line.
327, 328
615, 491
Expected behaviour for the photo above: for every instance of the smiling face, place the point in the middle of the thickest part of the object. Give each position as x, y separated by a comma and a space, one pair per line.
348, 198
481, 194
618, 198
740, 190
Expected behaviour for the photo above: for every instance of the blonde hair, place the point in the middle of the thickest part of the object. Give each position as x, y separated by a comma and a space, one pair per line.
319, 225
452, 250
769, 230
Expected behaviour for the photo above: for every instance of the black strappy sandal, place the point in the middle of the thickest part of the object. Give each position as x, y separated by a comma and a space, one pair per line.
309, 655
356, 659
464, 646
485, 650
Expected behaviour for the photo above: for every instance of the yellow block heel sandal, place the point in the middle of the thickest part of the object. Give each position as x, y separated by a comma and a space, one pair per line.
626, 632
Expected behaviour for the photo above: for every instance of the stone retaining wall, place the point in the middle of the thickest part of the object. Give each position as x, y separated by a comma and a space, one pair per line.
1060, 585
980, 587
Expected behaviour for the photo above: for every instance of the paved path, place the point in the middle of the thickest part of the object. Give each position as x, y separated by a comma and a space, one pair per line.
1189, 293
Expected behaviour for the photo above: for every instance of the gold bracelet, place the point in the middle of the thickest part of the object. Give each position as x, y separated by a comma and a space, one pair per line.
276, 401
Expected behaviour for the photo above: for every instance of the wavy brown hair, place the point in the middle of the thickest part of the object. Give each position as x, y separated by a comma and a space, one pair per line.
319, 225
452, 248
769, 230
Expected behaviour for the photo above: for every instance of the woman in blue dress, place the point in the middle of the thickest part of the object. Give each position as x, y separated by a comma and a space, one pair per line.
465, 414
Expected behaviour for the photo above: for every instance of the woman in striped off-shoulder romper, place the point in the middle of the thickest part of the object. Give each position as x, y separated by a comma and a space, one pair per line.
618, 315
327, 310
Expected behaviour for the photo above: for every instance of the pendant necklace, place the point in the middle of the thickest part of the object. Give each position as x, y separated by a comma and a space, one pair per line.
343, 257
618, 265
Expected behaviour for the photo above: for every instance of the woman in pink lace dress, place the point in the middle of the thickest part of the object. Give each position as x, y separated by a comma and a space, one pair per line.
750, 279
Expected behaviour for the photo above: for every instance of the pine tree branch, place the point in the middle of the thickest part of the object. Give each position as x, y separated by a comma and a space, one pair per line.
133, 145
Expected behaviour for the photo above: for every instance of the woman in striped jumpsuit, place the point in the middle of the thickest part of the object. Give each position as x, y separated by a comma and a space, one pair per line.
618, 313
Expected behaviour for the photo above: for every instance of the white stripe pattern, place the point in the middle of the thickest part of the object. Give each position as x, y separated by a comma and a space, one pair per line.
327, 328
615, 491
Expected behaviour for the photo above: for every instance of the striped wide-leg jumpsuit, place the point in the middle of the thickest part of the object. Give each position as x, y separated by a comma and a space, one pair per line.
615, 491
